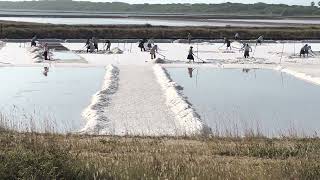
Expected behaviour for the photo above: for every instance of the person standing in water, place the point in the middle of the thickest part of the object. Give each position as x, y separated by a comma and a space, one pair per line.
153, 51
190, 55
46, 51
247, 50
33, 41
259, 40
189, 38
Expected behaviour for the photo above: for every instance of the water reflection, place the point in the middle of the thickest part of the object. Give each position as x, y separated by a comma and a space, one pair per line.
245, 70
32, 100
190, 72
45, 71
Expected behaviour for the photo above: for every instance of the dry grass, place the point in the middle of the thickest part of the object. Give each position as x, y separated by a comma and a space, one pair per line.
48, 156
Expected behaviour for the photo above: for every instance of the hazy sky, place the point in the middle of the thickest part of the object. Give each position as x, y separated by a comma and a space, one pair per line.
291, 2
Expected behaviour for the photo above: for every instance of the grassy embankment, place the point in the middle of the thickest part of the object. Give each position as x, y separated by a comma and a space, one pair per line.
47, 156
17, 30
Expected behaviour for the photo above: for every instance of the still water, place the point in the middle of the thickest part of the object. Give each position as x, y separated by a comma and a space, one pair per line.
245, 101
33, 99
65, 56
165, 22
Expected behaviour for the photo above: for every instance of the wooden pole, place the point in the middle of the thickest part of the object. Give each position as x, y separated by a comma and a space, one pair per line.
198, 49
294, 48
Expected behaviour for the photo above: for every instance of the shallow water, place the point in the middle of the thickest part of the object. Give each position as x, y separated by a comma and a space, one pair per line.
65, 55
236, 102
31, 100
162, 22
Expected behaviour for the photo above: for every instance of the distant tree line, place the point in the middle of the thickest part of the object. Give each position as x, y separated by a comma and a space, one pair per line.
261, 9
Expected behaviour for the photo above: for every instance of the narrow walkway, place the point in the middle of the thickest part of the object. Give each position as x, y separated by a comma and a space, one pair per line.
14, 53
138, 107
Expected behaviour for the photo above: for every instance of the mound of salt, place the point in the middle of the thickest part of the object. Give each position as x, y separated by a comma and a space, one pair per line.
116, 50
34, 49
159, 61
38, 60
179, 41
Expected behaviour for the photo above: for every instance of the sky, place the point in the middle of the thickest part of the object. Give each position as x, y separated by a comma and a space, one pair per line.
290, 2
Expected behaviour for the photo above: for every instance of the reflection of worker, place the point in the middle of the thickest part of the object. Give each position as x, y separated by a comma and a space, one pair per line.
245, 70
45, 71
190, 71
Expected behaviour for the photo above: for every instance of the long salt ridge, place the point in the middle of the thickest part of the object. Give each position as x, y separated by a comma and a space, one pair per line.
186, 116
97, 122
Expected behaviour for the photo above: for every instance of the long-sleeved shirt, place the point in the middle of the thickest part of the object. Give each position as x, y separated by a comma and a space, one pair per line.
154, 49
247, 48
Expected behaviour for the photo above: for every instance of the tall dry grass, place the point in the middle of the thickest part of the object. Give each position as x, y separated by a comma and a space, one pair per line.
50, 156
31, 155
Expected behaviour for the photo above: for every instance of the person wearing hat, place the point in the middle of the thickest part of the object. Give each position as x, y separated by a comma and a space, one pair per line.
190, 55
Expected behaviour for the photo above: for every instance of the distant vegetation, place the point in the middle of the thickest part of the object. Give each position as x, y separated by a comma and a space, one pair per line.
261, 9
13, 30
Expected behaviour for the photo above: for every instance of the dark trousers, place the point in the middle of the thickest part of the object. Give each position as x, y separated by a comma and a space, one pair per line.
45, 54
246, 54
